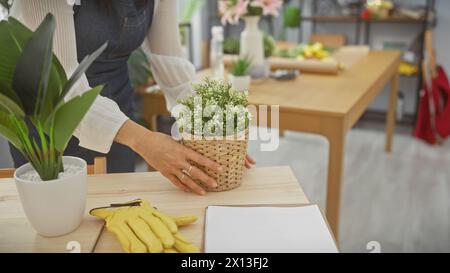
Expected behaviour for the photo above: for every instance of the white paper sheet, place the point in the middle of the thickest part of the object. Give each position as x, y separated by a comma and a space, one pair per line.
267, 229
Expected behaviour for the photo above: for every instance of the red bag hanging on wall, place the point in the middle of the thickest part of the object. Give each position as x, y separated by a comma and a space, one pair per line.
433, 120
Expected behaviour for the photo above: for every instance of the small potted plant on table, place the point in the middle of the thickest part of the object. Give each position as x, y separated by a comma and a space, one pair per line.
214, 121
33, 96
240, 74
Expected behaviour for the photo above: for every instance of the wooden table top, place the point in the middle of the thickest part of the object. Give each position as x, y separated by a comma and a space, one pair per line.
273, 185
327, 94
331, 95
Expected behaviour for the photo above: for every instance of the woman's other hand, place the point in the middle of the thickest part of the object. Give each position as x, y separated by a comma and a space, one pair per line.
168, 157
249, 162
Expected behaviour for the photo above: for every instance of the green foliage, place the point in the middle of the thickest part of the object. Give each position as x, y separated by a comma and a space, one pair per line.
291, 53
254, 11
269, 45
190, 9
231, 46
33, 87
240, 67
291, 17
139, 68
215, 109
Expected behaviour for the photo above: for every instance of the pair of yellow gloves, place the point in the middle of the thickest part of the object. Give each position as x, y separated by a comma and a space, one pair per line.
140, 228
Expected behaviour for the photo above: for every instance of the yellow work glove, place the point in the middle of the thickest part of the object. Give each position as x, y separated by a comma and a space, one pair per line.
140, 228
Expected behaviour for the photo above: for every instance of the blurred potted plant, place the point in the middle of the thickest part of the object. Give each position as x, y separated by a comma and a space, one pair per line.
239, 74
139, 70
251, 38
232, 45
35, 94
214, 122
190, 8
291, 19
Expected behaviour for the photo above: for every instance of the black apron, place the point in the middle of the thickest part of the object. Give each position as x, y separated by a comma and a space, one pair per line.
124, 24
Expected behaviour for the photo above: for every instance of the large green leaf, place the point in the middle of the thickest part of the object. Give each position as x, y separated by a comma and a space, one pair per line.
13, 38
10, 51
8, 130
81, 69
58, 77
10, 106
8, 102
69, 115
33, 67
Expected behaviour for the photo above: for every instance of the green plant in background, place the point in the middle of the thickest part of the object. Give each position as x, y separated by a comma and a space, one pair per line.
269, 45
291, 17
291, 53
304, 51
33, 88
139, 68
240, 67
191, 7
233, 116
232, 45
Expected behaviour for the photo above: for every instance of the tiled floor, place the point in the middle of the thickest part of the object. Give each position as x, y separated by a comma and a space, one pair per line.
401, 200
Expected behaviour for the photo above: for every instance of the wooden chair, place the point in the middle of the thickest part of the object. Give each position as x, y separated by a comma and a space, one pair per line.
329, 40
99, 167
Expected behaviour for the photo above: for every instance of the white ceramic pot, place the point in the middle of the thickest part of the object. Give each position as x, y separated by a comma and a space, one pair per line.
252, 45
54, 207
240, 83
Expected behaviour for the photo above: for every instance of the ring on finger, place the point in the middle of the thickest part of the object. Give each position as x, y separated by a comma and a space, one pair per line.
188, 172
182, 177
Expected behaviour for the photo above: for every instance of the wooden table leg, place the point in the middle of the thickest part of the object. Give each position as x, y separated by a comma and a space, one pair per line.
154, 123
335, 132
391, 115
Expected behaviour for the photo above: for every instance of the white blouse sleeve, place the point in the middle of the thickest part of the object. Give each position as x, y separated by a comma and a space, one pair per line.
102, 122
171, 70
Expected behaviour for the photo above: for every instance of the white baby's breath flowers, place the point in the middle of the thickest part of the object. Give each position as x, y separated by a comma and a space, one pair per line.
215, 109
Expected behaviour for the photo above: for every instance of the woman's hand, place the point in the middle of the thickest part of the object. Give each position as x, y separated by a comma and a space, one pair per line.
168, 157
249, 162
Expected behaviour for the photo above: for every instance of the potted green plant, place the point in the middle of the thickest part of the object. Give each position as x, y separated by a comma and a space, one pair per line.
240, 74
214, 121
33, 95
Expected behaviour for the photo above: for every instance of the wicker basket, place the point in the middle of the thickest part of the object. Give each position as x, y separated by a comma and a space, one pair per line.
229, 153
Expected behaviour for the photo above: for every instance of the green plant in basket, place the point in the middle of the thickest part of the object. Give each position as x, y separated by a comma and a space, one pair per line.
215, 109
241, 67
33, 92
